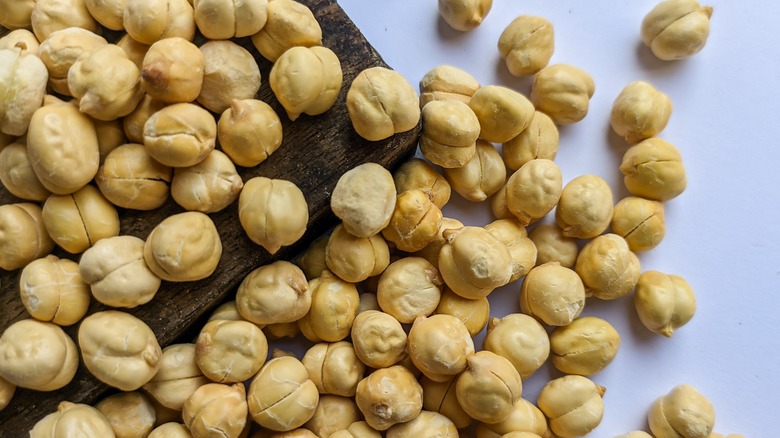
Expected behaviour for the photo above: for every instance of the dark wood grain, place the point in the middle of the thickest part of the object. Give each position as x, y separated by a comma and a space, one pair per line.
315, 152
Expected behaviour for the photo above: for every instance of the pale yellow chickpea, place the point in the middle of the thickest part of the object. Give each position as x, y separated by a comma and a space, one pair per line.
230, 351
482, 176
16, 13
426, 425
49, 16
527, 44
281, 396
333, 413
107, 12
274, 293
23, 83
640, 221
130, 414
17, 174
525, 417
562, 92
79, 220
464, 15
73, 419
23, 236
273, 212
664, 302
110, 135
134, 122
409, 287
521, 248
249, 131
358, 429
180, 135
572, 405
489, 387
380, 103
446, 82
520, 339
178, 377
584, 347
172, 71
635, 434
354, 259
439, 346
473, 262
230, 72
312, 262
441, 397
306, 80
639, 112
131, 178
414, 222
539, 140
223, 19
334, 368
21, 38
282, 330
473, 313
61, 49
676, 29
552, 294
379, 339
653, 169
389, 396
209, 186
334, 304
364, 199
7, 391
553, 246
585, 208
135, 51
289, 24
148, 21
432, 250
450, 131
503, 113
229, 311
52, 290
419, 174
533, 190
170, 430
216, 409
607, 267
683, 412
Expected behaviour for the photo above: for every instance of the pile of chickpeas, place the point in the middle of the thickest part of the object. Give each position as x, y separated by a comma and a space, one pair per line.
397, 360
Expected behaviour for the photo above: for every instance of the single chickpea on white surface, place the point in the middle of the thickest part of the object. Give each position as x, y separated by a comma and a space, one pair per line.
683, 412
639, 112
664, 302
527, 44
653, 169
676, 29
640, 221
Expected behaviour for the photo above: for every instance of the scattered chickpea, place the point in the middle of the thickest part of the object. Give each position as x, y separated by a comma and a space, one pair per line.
552, 294
130, 414
230, 72
131, 178
273, 212
334, 304
289, 24
683, 412
306, 80
521, 248
473, 313
607, 267
439, 346
419, 174
60, 50
79, 220
180, 135
414, 223
441, 397
17, 174
148, 21
107, 12
230, 351
539, 140
502, 112
334, 368
482, 176
354, 259
533, 190
446, 82
432, 250
525, 417
584, 347
474, 262
216, 409
464, 15
281, 396
676, 29
312, 261
53, 291
364, 199
450, 131
170, 430
640, 112
379, 339
274, 293
49, 16
653, 169
73, 419
172, 71
333, 413
520, 339
425, 425
489, 387
553, 246
572, 405
223, 19
664, 302
389, 396
408, 288
23, 236
527, 44
562, 92
16, 14
640, 221
249, 131
178, 377
585, 208
209, 186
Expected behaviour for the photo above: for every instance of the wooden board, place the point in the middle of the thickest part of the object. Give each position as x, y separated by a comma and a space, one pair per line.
315, 152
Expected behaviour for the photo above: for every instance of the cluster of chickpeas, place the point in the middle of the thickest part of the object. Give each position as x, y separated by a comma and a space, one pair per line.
367, 373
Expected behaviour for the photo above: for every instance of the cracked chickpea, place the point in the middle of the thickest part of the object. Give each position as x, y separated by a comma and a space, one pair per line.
224, 19
378, 338
180, 135
414, 222
79, 220
52, 290
178, 377
72, 419
289, 24
608, 268
640, 221
527, 44
450, 131
354, 259
441, 397
676, 29
249, 131
130, 414
525, 417
172, 71
148, 21
131, 178
584, 347
281, 396
482, 176
183, 247
640, 112
474, 262
230, 72
380, 103
585, 207
552, 294
664, 302
209, 186
364, 199
539, 140
489, 387
553, 246
520, 339
533, 190
439, 346
653, 169
503, 113
446, 82
23, 78
216, 409
562, 92
23, 236
521, 249
274, 293
306, 80
473, 313
334, 368
409, 287
419, 174
572, 405
334, 304
230, 351
389, 396
272, 212
682, 413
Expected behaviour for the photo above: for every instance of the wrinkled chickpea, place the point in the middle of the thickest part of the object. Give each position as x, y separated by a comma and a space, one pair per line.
664, 302
7, 391
135, 51
676, 29
72, 419
334, 368
539, 140
49, 16
520, 339
380, 103
379, 339
482, 176
389, 396
170, 430
333, 413
306, 80
432, 250
23, 79
585, 208
289, 24
172, 71
450, 131
53, 291
60, 50
584, 347
426, 425
37, 355
683, 412
464, 15
354, 259
552, 294
553, 246
148, 21
130, 414
439, 346
502, 112
230, 351
489, 387
249, 131
230, 72
562, 92
525, 417
274, 293
131, 178
640, 112
16, 14
312, 261
209, 186
414, 222
134, 122
473, 262
272, 212
358, 429
334, 304
653, 169
223, 19
640, 221
178, 377
79, 220
23, 236
572, 405
441, 397
409, 287
417, 173
473, 313
607, 267
521, 248
183, 247
446, 82
533, 190
527, 44
364, 199
216, 409
17, 174
281, 396
180, 135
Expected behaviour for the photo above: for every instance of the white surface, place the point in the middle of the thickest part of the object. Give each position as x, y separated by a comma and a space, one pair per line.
722, 234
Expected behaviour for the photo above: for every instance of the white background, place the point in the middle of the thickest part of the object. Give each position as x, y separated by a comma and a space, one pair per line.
722, 233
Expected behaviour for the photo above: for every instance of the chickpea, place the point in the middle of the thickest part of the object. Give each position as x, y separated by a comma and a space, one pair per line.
489, 387
52, 290
334, 304
17, 174
498, 205
107, 12
230, 72
312, 261
37, 355
562, 92
446, 82
135, 51
178, 377
281, 396
441, 397
249, 131
281, 330
23, 236
539, 140
170, 430
534, 190
274, 293
79, 220
521, 248
71, 419
482, 176
333, 413
16, 14
110, 135
640, 222
183, 247
464, 15
358, 429
60, 50
636, 434
49, 16
640, 112
439, 346
664, 302
608, 269
527, 44
334, 368
419, 174
389, 396
653, 169
228, 312
230, 351
209, 186
23, 78
584, 347
354, 259
585, 208
180, 135
134, 122
148, 21
525, 417
368, 301
223, 19
131, 178
409, 287
379, 339
7, 391
289, 24
426, 425
572, 405
553, 246
520, 339
683, 412
364, 199
473, 262
273, 212
676, 29
306, 80
172, 71
130, 414
503, 113
216, 409
552, 294
432, 250
450, 131
380, 103
21, 38
473, 313
414, 222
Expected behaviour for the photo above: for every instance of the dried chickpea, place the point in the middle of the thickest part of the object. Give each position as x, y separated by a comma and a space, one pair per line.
552, 294
312, 261
389, 396
446, 82
7, 391
60, 50
682, 413
417, 173
525, 417
354, 259
52, 290
119, 349
527, 44
439, 346
228, 311
640, 112
539, 140
640, 221
584, 347
358, 429
334, 368
450, 131
230, 72
180, 135
432, 250
216, 409
170, 430
16, 14
78, 220
209, 186
110, 135
23, 79
165, 414
482, 176
498, 205
224, 19
553, 246
148, 21
473, 313
131, 178
426, 425
562, 92
71, 419
172, 71
183, 247
585, 208
473, 262
414, 222
607, 267
364, 199
441, 397
521, 248
178, 377
379, 339
230, 351
653, 169
37, 355
720, 435
334, 304
135, 51
134, 122
676, 29
17, 174
520, 339
281, 396
289, 24
281, 330
49, 16
21, 38
503, 113
464, 15
380, 103
368, 301
664, 302
23, 236
409, 287
333, 413
274, 293
489, 387
533, 190
108, 13
572, 405
272, 212
130, 414
306, 80
249, 131
635, 434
